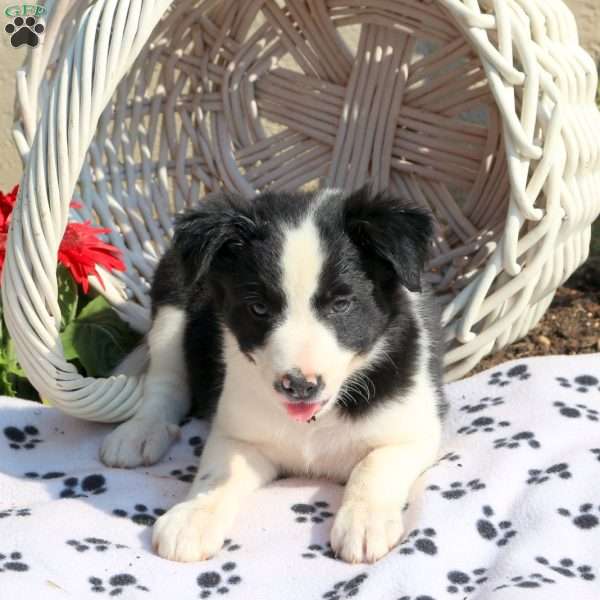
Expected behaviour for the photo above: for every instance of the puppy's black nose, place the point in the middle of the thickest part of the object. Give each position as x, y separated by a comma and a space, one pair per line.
298, 387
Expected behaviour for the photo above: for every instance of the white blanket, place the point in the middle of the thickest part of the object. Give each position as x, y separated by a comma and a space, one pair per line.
511, 510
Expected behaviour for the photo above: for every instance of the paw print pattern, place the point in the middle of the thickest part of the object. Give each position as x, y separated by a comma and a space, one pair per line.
420, 541
88, 486
534, 580
97, 544
416, 598
576, 411
568, 568
186, 474
500, 533
450, 457
582, 383
482, 405
518, 372
596, 453
22, 439
116, 584
458, 489
12, 562
537, 476
142, 515
486, 424
346, 589
586, 519
465, 583
521, 438
313, 512
230, 546
197, 443
49, 475
24, 31
315, 550
214, 581
15, 512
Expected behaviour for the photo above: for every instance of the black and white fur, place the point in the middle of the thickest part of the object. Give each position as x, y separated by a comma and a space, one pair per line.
320, 285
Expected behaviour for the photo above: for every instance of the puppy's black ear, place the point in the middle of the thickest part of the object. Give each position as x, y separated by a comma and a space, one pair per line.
390, 229
218, 228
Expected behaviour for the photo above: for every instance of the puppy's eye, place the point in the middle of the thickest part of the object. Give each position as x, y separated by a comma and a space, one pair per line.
341, 305
258, 309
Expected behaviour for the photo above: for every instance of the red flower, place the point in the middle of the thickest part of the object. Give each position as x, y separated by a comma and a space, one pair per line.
81, 251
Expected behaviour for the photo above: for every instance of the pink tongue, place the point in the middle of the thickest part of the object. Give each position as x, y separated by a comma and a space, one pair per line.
302, 411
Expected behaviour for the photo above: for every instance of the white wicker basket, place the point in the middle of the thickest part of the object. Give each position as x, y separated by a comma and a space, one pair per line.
482, 110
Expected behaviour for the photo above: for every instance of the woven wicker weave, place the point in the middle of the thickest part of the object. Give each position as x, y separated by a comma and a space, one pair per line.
482, 110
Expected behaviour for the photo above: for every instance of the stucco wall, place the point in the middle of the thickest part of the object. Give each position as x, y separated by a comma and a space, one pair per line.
587, 13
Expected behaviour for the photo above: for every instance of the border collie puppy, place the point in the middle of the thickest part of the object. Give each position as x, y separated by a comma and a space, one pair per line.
299, 324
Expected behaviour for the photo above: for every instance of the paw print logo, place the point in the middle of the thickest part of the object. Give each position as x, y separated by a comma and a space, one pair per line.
26, 438
346, 589
313, 512
516, 373
577, 411
214, 581
15, 512
12, 562
97, 544
458, 489
141, 515
315, 550
24, 31
88, 486
186, 474
582, 383
197, 443
420, 541
568, 568
116, 584
464, 582
586, 519
534, 580
484, 403
521, 438
499, 533
486, 424
537, 476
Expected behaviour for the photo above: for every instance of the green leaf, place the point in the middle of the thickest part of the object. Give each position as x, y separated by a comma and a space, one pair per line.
68, 294
98, 338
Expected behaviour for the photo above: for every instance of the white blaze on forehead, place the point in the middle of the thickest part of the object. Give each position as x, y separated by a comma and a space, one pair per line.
302, 340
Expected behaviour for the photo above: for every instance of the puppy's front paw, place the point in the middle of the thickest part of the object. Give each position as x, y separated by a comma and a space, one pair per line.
364, 533
138, 442
190, 531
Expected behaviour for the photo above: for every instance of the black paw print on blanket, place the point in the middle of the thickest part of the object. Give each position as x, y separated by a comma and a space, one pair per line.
82, 488
116, 584
568, 568
22, 439
465, 583
315, 512
420, 540
582, 383
315, 550
484, 403
516, 373
486, 424
576, 411
15, 512
94, 543
533, 580
197, 443
457, 489
596, 453
500, 532
586, 517
12, 562
346, 589
141, 514
186, 474
523, 438
218, 581
537, 476
48, 475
